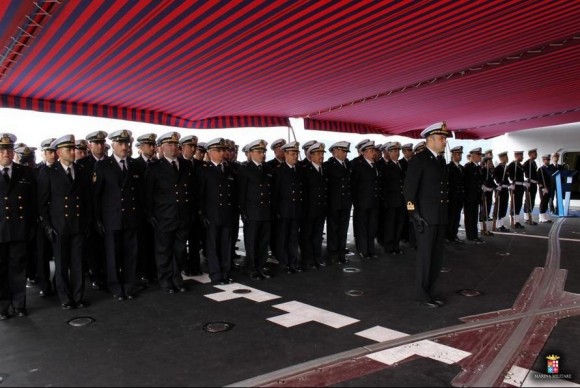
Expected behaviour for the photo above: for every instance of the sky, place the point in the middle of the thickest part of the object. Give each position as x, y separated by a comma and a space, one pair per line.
32, 128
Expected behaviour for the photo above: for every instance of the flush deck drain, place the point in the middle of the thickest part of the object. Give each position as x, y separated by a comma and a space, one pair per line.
81, 321
217, 327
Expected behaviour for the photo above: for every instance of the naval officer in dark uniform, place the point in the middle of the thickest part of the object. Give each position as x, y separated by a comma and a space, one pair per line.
94, 252
65, 207
545, 186
338, 171
515, 172
17, 220
287, 203
456, 193
502, 194
192, 258
366, 199
315, 207
44, 252
531, 185
393, 200
216, 193
118, 204
255, 191
272, 164
146, 266
169, 193
473, 195
426, 191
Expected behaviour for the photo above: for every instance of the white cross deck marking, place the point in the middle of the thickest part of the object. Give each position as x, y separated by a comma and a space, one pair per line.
201, 278
228, 294
299, 313
425, 348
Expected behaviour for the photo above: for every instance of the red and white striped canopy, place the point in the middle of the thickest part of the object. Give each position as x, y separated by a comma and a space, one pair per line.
391, 67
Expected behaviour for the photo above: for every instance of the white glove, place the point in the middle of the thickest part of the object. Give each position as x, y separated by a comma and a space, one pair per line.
498, 188
527, 185
512, 187
484, 187
545, 191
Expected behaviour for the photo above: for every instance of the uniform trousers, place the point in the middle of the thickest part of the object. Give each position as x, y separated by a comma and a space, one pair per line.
530, 202
146, 265
287, 241
43, 256
501, 204
121, 257
336, 231
365, 230
69, 277
430, 255
13, 275
470, 212
518, 196
311, 231
544, 199
455, 208
256, 240
218, 248
170, 256
485, 211
393, 224
193, 259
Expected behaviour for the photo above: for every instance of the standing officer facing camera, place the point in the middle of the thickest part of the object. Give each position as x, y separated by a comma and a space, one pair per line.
64, 204
169, 185
117, 195
426, 191
17, 215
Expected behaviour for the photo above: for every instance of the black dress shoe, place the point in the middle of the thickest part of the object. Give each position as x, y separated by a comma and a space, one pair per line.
218, 283
119, 297
503, 229
187, 273
457, 240
519, 226
180, 289
428, 303
4, 315
438, 302
97, 285
131, 296
396, 252
67, 306
343, 260
320, 263
20, 312
169, 291
44, 293
82, 304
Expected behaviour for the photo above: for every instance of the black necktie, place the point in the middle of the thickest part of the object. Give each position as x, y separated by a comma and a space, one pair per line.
174, 165
221, 167
123, 168
259, 167
69, 174
5, 174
